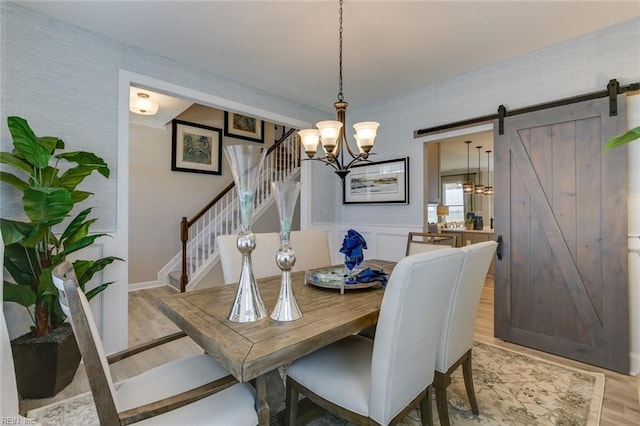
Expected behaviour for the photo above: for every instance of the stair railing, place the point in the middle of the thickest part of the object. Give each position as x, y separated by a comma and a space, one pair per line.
221, 215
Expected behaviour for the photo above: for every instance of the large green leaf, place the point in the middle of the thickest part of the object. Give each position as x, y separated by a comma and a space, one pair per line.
51, 143
78, 196
47, 206
625, 138
85, 269
95, 291
75, 224
80, 233
37, 235
77, 245
74, 176
18, 163
13, 180
20, 294
27, 143
87, 159
14, 231
17, 261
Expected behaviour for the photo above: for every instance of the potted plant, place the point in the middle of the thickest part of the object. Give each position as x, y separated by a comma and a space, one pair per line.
35, 246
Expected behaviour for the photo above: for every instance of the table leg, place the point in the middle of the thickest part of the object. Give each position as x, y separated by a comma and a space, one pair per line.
262, 407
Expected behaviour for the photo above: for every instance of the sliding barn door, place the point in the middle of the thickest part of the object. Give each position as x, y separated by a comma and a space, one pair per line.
561, 208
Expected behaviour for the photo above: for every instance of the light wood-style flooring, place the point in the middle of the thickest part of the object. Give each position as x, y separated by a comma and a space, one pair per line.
621, 395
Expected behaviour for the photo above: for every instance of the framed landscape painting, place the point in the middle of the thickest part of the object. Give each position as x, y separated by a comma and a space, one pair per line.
243, 127
378, 183
196, 148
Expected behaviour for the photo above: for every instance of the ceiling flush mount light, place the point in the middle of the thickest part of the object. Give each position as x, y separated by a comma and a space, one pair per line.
332, 135
467, 186
488, 190
479, 188
143, 105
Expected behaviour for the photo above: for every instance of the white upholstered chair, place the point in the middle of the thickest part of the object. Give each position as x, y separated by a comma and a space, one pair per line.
263, 257
190, 390
420, 242
456, 339
381, 380
311, 248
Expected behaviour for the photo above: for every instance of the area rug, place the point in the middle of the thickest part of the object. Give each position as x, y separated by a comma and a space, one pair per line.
511, 388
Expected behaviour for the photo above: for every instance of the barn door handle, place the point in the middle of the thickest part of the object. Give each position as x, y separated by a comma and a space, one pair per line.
499, 248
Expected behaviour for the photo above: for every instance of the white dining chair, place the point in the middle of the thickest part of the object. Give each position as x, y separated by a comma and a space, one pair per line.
420, 242
311, 248
456, 339
381, 380
189, 390
263, 257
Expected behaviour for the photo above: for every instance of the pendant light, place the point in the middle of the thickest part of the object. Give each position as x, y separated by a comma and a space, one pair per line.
479, 188
488, 190
467, 186
332, 135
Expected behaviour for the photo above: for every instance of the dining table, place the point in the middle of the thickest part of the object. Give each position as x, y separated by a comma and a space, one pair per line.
250, 350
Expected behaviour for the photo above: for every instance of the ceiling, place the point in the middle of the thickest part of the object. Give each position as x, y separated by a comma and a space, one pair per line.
290, 48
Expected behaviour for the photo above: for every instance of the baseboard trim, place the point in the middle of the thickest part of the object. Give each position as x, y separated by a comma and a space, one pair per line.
634, 363
145, 285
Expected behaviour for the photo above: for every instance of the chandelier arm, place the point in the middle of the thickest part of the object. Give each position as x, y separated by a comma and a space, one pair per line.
325, 161
351, 152
355, 160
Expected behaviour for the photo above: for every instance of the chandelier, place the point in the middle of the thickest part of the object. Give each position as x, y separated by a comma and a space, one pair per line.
332, 135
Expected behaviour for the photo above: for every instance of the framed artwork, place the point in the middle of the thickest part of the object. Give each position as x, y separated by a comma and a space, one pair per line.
196, 148
243, 127
378, 183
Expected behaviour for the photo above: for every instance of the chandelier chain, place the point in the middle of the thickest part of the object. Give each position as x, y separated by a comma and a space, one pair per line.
340, 95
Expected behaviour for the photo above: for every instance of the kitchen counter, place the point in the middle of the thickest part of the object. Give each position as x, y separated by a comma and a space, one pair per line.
476, 231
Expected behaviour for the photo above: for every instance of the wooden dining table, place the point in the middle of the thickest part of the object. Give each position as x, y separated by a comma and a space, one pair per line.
250, 350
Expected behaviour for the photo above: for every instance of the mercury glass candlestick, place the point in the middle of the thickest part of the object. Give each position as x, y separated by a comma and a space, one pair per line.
286, 308
246, 165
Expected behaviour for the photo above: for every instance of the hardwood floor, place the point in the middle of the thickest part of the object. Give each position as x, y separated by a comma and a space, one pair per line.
620, 403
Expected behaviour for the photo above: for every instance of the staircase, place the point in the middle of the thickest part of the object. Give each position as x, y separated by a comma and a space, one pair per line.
222, 216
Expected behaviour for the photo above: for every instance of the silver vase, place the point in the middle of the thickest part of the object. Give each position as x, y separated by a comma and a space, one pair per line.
286, 193
246, 165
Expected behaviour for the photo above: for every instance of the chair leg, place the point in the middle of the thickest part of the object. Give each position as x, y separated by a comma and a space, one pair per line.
291, 404
467, 373
440, 383
426, 411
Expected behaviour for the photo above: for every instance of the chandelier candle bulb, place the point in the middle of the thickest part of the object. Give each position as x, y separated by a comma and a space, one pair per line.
310, 139
329, 134
366, 133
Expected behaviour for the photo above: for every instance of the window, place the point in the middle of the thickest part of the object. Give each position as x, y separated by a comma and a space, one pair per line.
453, 197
